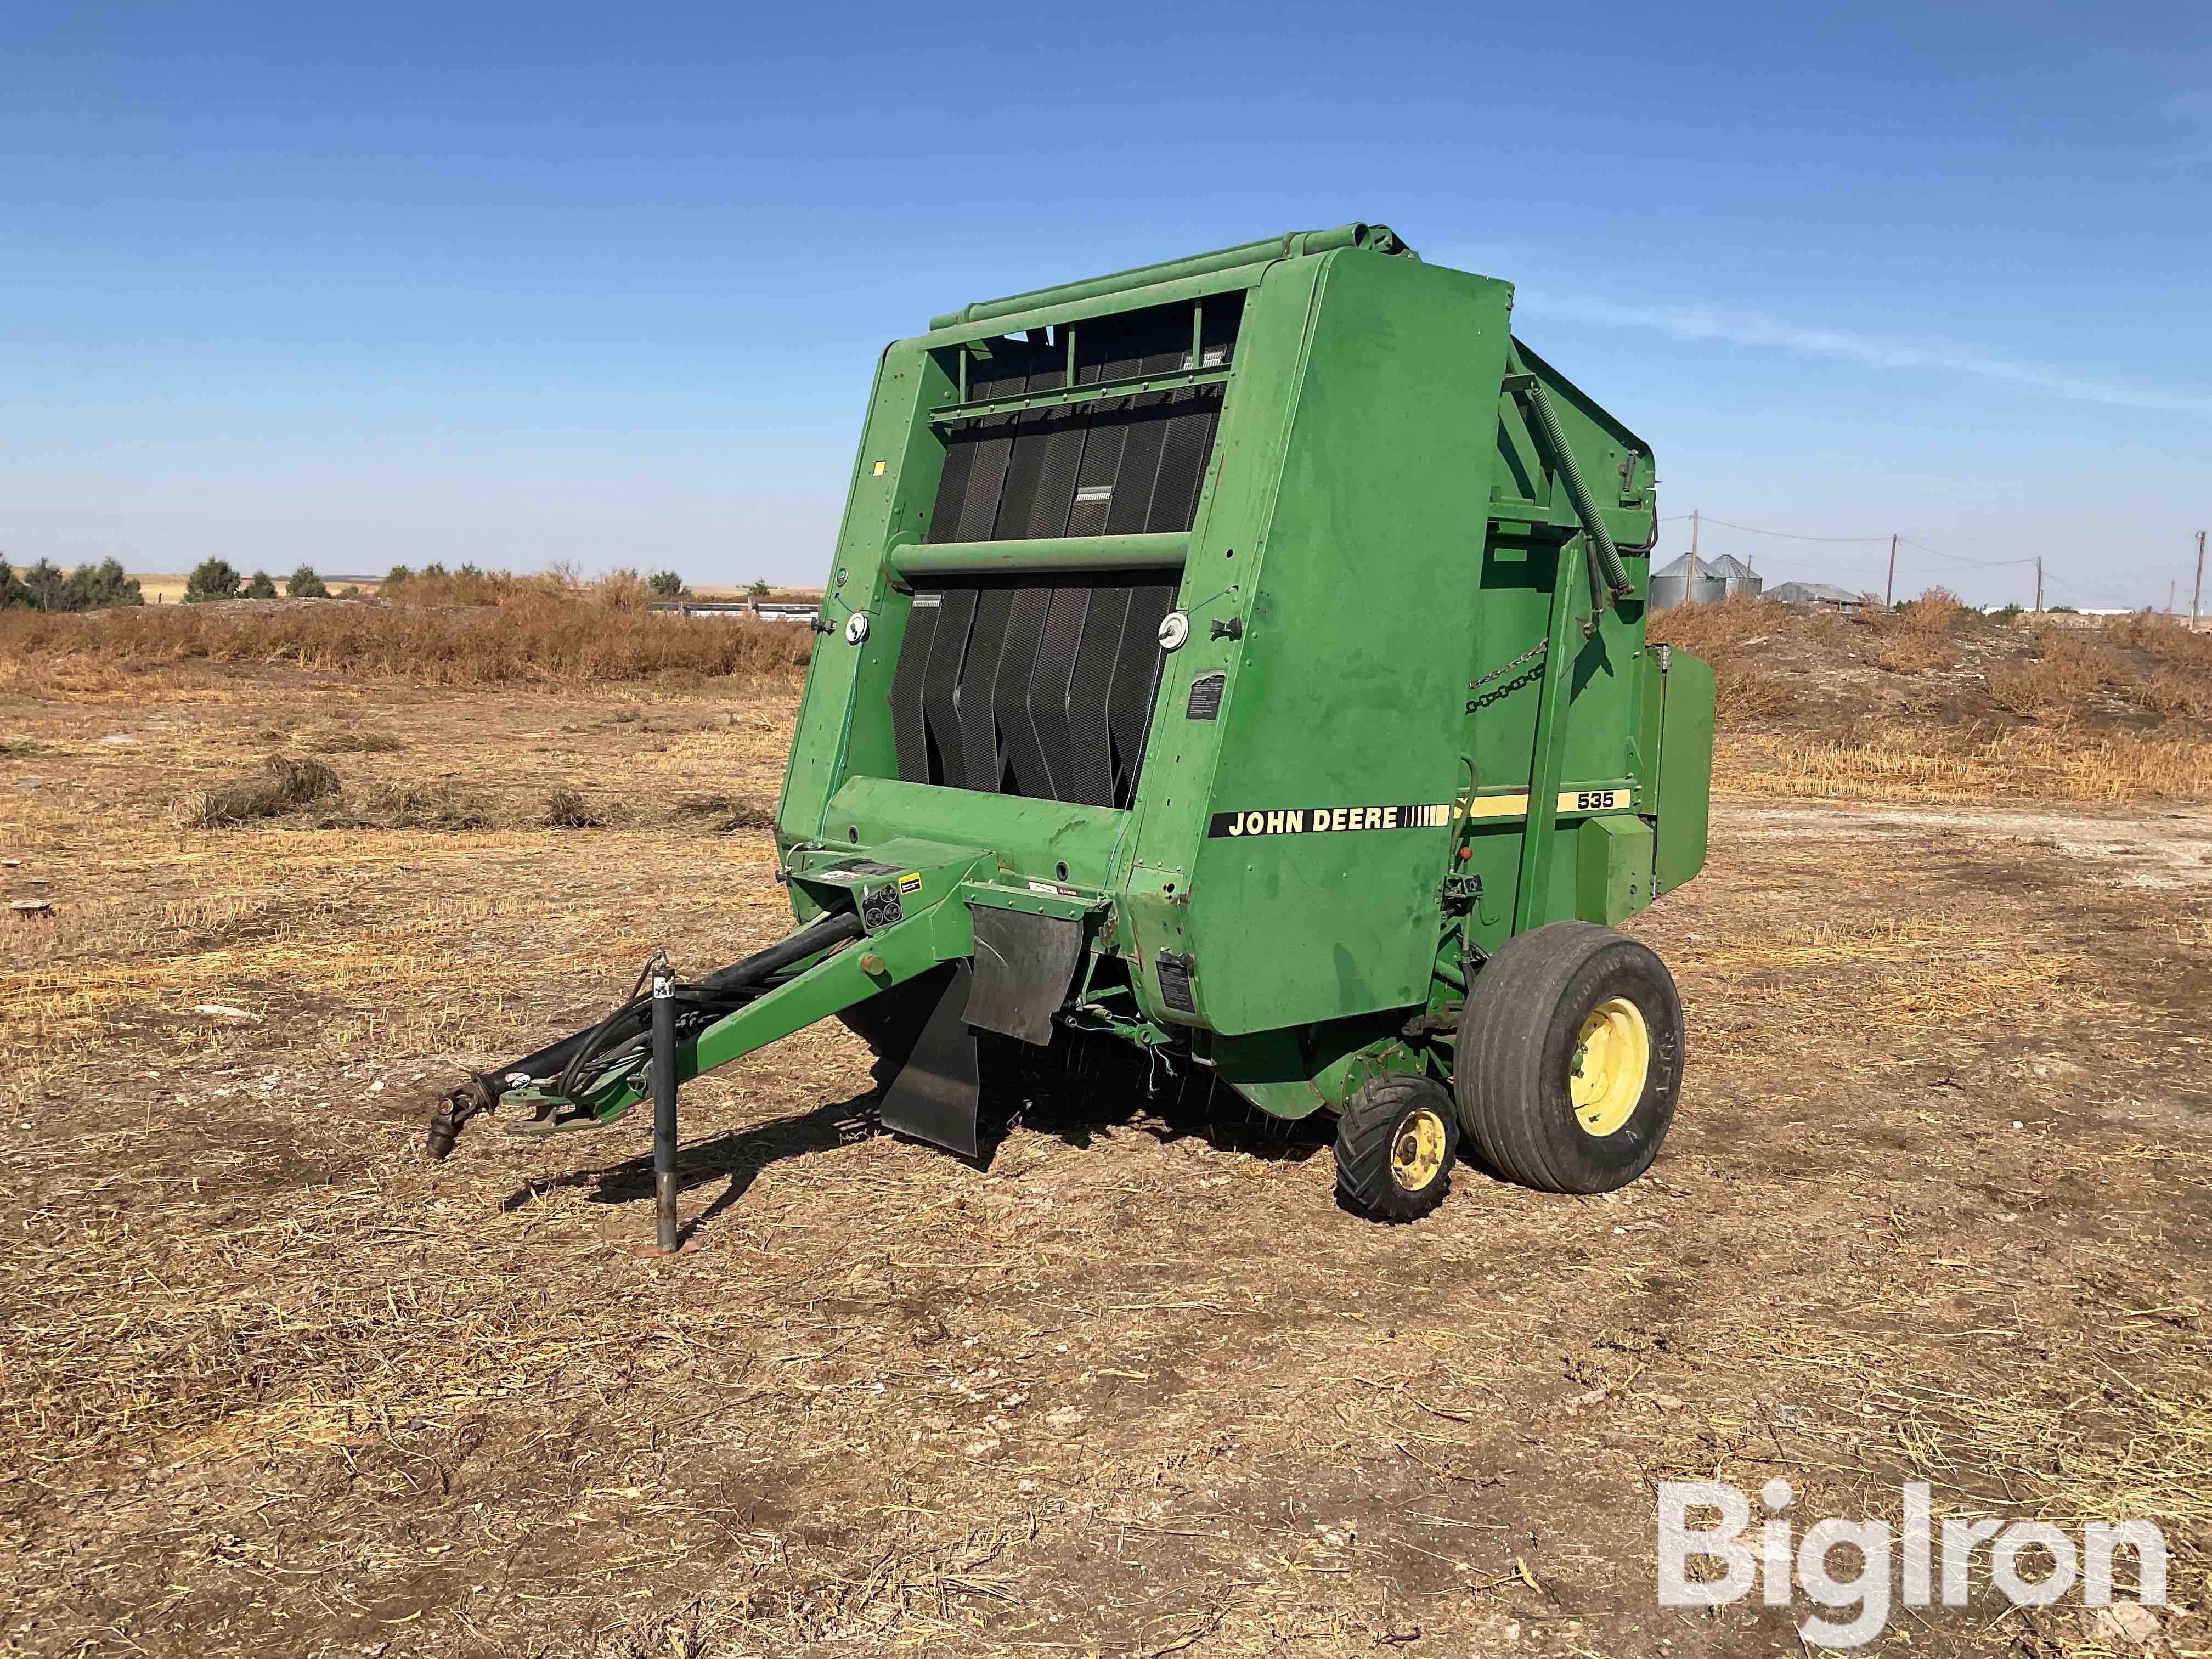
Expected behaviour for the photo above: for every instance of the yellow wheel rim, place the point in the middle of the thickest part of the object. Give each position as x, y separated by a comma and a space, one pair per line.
1610, 1064
1417, 1151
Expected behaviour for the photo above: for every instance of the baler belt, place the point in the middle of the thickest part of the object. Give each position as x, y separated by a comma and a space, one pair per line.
1123, 466
940, 685
1049, 684
1043, 684
1032, 686
909, 724
977, 689
1090, 760
1021, 751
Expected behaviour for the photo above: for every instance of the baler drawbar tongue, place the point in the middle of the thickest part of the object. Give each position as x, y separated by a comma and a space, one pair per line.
667, 1032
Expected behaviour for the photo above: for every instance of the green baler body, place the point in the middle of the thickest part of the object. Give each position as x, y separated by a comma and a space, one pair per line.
1314, 818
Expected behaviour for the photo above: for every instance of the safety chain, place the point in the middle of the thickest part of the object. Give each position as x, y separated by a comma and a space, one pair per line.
1535, 650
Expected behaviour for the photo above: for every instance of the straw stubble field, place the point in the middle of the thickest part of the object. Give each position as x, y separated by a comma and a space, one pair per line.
1937, 1207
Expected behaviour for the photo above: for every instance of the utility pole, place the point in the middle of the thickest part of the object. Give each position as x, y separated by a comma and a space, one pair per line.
2197, 598
1694, 514
2039, 588
1889, 593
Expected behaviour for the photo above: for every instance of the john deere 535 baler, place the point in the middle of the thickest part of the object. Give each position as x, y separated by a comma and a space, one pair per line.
1239, 664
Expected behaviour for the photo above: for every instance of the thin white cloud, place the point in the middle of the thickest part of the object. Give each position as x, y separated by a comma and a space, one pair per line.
1755, 329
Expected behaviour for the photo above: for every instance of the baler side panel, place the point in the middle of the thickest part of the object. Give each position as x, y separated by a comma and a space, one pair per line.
1609, 670
1168, 819
844, 725
1602, 752
1349, 696
1686, 747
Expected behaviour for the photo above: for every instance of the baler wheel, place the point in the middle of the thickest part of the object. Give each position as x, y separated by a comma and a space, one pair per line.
1569, 1059
1394, 1143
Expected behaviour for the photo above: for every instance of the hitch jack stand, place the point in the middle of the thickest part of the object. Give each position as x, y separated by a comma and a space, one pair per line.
664, 1107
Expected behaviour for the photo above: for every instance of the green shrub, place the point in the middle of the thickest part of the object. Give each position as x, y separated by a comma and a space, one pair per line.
47, 586
304, 583
666, 584
102, 587
88, 588
211, 579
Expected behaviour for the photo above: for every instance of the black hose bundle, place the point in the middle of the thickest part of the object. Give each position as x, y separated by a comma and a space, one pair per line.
700, 1003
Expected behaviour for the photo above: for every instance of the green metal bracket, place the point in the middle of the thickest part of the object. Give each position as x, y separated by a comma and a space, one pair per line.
1539, 834
1067, 906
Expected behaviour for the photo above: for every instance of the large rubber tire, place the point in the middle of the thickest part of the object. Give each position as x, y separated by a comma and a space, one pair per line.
1515, 1069
1395, 1145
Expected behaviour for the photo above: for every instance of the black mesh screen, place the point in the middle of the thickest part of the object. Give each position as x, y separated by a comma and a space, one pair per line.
1022, 687
1120, 466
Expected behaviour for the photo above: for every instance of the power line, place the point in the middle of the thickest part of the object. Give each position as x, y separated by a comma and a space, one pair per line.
1791, 536
1876, 570
1768, 560
1794, 535
1960, 557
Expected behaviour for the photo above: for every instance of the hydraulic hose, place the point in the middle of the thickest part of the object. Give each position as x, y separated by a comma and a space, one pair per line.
631, 1017
816, 937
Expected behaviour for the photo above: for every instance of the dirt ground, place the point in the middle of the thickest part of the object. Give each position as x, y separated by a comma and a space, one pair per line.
1938, 1206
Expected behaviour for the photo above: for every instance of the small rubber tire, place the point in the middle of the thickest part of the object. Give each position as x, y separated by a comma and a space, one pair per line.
1395, 1140
1520, 1036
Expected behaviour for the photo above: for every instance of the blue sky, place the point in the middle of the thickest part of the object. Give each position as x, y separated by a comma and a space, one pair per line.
516, 284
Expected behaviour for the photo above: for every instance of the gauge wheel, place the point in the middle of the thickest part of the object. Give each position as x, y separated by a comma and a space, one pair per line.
1394, 1143
1569, 1059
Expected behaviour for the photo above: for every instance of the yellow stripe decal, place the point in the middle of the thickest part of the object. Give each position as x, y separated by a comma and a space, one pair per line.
1571, 801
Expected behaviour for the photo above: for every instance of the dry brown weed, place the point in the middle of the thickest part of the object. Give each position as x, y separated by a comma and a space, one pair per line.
1910, 652
1727, 636
536, 637
1882, 761
280, 784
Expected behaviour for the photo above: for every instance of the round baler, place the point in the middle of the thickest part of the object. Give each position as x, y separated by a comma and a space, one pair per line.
1236, 665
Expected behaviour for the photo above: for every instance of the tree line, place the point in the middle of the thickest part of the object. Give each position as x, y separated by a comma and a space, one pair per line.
216, 578
45, 586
